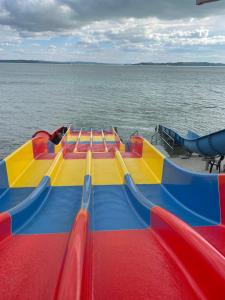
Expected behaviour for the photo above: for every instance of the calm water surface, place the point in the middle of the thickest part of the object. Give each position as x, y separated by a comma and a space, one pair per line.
46, 96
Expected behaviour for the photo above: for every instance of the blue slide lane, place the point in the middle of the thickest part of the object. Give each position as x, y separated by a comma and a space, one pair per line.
115, 207
112, 209
160, 196
119, 207
13, 196
198, 192
57, 213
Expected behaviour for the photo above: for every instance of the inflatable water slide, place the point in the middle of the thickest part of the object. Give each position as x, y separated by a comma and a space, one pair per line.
84, 217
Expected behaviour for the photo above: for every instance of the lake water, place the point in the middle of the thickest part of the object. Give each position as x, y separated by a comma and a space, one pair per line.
46, 96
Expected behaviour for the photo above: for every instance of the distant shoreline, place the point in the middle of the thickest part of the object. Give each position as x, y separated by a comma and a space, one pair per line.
173, 64
183, 64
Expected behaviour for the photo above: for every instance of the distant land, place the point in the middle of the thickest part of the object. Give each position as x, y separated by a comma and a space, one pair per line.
185, 64
175, 64
30, 61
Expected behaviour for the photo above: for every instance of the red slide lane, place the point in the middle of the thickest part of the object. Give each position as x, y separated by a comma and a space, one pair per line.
127, 264
30, 265
215, 235
131, 264
5, 225
204, 265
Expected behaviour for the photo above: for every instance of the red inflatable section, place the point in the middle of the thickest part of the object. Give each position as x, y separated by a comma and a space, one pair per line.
50, 136
40, 146
30, 266
136, 145
131, 264
5, 225
70, 285
42, 140
203, 264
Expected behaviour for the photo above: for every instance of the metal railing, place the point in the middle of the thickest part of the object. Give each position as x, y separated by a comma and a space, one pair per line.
164, 137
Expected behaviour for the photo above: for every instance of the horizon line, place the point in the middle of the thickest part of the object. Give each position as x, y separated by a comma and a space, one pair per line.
109, 63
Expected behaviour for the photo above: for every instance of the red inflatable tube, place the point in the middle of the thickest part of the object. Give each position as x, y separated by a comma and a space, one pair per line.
42, 133
70, 284
54, 136
42, 140
203, 265
5, 225
136, 145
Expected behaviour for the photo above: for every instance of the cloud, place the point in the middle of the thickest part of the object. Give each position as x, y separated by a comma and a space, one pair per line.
162, 9
112, 30
9, 36
149, 33
36, 15
63, 15
126, 41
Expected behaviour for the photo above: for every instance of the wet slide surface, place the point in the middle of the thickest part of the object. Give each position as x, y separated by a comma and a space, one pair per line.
30, 265
128, 254
128, 261
32, 259
135, 266
215, 235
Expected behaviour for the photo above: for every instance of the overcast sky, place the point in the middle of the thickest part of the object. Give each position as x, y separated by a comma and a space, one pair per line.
117, 31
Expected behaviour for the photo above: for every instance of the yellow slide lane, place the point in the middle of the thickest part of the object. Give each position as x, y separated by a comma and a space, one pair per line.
106, 172
85, 138
140, 171
70, 172
110, 137
71, 138
23, 170
32, 176
97, 138
149, 168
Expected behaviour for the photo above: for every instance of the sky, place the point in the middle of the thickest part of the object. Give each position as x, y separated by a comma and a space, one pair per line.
112, 31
